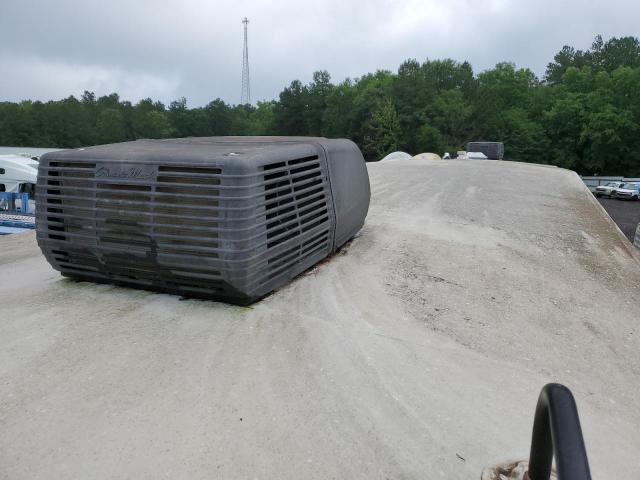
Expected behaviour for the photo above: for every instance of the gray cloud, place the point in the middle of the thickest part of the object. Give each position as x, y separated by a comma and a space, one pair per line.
193, 48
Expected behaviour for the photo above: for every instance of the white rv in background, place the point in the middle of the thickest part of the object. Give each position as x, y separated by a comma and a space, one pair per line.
18, 174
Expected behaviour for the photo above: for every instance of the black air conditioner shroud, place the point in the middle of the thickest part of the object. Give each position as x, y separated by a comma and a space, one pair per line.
225, 218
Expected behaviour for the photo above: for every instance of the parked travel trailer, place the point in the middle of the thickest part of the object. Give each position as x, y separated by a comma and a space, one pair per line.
18, 173
493, 150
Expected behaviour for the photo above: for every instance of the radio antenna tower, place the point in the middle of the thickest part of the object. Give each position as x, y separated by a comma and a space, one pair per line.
245, 97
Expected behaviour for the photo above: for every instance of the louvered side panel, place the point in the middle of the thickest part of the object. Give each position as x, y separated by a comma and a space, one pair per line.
298, 213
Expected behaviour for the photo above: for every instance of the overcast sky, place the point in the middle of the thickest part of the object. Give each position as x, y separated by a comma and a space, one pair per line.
166, 49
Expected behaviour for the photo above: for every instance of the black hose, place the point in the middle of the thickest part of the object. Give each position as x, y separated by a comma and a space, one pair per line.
557, 432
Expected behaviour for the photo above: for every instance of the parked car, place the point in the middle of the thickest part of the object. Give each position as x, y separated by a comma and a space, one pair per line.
628, 191
608, 190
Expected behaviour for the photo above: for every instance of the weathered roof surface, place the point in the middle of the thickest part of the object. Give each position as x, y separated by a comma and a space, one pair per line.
426, 339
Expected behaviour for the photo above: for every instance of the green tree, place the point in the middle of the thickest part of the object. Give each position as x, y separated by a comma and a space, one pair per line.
371, 91
290, 111
153, 124
179, 117
263, 119
429, 139
382, 131
585, 115
317, 93
619, 52
110, 126
150, 120
524, 137
339, 115
219, 117
450, 116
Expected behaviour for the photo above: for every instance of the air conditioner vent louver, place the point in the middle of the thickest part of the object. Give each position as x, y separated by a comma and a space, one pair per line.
227, 218
296, 197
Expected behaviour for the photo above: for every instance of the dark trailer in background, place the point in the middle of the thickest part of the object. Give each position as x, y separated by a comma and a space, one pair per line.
493, 150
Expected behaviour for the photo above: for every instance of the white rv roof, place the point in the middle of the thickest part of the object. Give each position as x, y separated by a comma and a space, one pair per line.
19, 160
28, 151
425, 340
396, 156
16, 168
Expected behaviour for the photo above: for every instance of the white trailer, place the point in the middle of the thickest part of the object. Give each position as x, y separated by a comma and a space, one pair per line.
17, 173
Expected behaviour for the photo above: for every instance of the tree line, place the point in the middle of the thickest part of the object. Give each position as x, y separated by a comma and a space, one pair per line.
584, 114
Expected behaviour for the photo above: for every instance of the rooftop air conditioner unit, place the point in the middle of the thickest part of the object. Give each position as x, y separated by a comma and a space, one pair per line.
225, 218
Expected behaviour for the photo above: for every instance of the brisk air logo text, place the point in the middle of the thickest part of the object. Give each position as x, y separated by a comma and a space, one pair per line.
124, 172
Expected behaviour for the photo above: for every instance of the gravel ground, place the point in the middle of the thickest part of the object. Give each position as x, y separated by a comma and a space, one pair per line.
625, 213
418, 351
